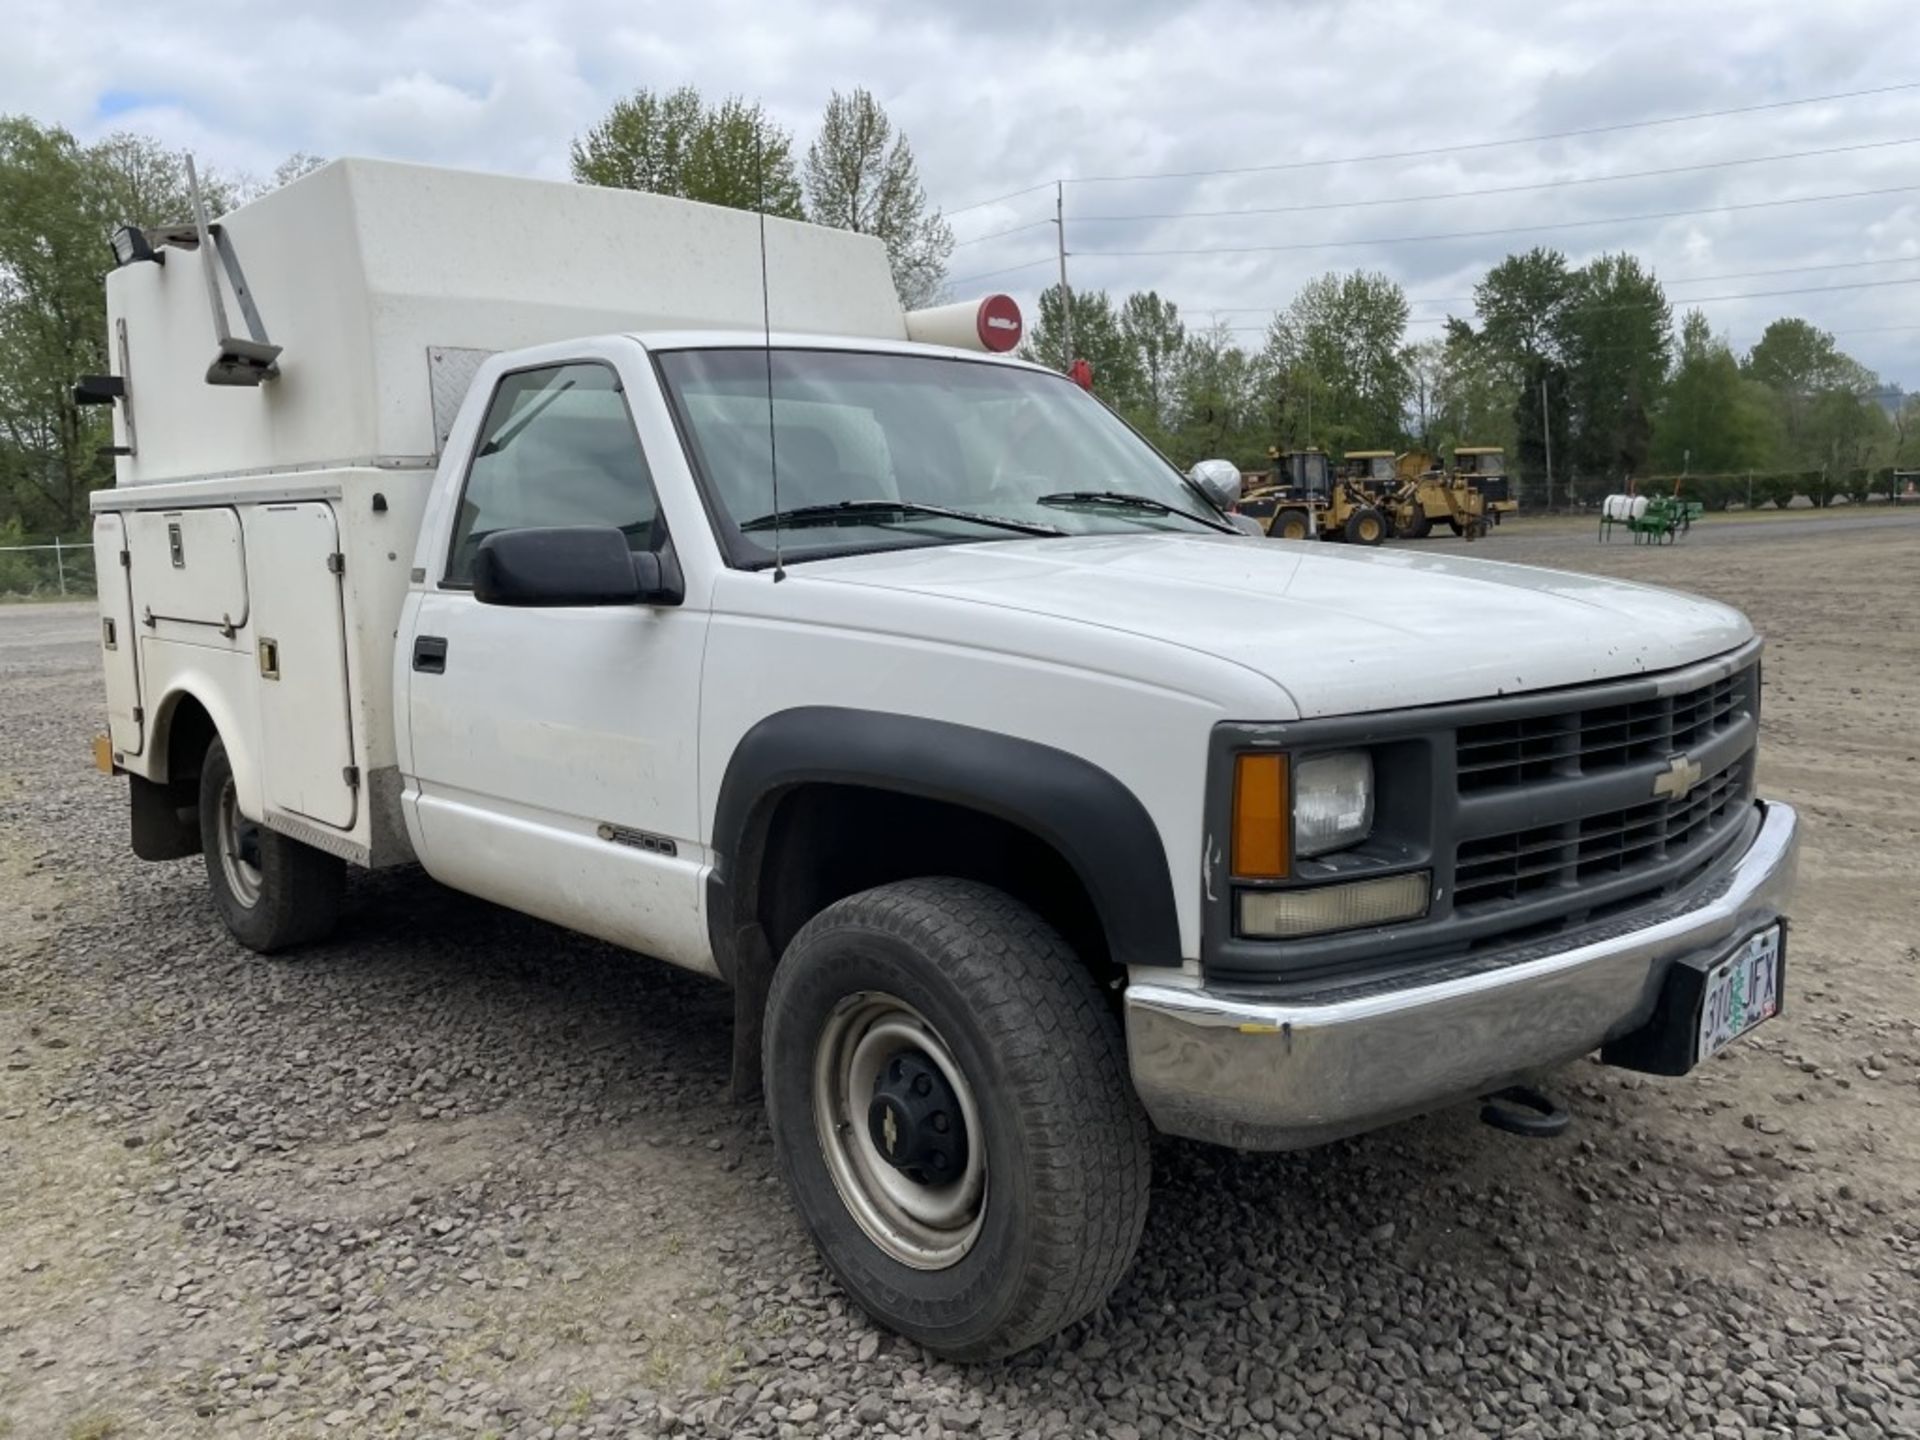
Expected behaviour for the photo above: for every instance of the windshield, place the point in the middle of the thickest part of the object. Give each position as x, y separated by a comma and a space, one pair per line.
953, 439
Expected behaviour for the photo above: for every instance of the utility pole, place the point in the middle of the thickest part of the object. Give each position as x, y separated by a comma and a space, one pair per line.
1546, 435
1066, 295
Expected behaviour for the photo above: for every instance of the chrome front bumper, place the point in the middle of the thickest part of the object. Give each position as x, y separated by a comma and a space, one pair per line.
1262, 1075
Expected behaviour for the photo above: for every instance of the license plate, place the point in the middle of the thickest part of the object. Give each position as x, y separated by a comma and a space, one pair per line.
1742, 990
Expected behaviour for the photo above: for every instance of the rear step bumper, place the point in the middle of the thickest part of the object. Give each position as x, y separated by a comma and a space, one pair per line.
1260, 1075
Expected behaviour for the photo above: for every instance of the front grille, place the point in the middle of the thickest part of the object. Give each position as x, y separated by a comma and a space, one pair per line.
1498, 869
1540, 815
1500, 753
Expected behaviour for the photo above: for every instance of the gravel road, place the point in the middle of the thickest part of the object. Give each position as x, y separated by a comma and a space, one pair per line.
456, 1173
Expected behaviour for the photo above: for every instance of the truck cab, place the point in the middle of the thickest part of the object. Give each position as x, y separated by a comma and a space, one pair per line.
663, 579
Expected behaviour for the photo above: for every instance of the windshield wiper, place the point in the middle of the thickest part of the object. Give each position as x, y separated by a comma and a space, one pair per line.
1126, 500
855, 510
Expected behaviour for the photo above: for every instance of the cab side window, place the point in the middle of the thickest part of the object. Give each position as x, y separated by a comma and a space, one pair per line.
557, 447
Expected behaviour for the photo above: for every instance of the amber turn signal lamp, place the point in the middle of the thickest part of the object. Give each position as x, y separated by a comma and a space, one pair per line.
1261, 822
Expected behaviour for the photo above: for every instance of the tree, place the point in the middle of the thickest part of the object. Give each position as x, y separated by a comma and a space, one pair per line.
1714, 421
1157, 338
1800, 365
1219, 410
1843, 430
1458, 395
1616, 336
861, 176
1339, 347
1906, 434
59, 201
1522, 304
1098, 337
731, 154
1794, 357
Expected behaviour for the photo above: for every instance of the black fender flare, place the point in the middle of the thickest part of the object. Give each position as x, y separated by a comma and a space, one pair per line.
1087, 815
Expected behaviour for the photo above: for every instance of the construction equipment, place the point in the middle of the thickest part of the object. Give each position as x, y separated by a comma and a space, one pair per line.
1303, 497
1649, 519
1486, 467
1469, 499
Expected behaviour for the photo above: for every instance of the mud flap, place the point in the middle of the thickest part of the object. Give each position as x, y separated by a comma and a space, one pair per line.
166, 818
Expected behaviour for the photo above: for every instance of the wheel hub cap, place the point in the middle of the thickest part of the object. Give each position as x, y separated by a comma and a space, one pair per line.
915, 1120
900, 1131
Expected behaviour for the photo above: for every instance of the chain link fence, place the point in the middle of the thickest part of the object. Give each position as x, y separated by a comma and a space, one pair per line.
47, 570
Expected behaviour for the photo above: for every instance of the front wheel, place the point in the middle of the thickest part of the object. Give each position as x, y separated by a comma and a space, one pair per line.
1289, 524
1365, 526
272, 891
948, 1093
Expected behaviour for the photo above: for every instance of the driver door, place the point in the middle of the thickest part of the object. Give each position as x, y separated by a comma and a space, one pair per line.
553, 749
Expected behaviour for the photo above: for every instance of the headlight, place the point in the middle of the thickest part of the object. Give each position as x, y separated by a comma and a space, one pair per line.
1332, 802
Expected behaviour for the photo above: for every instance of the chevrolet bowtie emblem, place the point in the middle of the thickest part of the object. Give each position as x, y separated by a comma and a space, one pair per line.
890, 1128
1680, 776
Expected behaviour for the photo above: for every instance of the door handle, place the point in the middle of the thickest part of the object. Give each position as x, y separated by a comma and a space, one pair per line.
430, 654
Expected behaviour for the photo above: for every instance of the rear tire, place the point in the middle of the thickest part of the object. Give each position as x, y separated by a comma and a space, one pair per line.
981, 997
1365, 526
1419, 526
1459, 526
272, 891
1289, 524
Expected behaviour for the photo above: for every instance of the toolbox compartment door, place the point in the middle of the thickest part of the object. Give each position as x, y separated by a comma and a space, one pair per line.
119, 641
300, 654
190, 567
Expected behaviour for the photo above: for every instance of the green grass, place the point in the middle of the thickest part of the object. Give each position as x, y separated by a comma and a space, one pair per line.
93, 1427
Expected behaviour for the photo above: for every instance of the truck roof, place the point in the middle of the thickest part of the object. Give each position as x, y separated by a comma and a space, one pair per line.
385, 284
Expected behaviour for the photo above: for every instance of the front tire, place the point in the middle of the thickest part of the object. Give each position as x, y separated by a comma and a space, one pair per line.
944, 1024
1290, 524
272, 891
1365, 526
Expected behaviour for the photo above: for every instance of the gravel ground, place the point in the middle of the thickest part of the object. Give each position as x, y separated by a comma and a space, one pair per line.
456, 1173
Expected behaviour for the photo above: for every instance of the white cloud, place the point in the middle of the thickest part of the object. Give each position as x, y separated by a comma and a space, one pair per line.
1003, 94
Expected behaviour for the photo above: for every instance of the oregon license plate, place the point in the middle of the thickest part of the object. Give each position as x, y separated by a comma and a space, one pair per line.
1742, 990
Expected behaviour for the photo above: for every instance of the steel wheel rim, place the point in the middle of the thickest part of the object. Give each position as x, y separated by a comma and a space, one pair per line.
243, 880
925, 1227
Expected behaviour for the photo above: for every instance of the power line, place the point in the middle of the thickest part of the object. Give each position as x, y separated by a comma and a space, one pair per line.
1010, 195
1669, 280
1474, 194
1505, 230
1008, 270
1702, 300
1647, 304
1493, 144
1446, 149
995, 235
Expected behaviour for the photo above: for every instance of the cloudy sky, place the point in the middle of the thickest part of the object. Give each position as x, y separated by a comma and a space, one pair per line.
999, 95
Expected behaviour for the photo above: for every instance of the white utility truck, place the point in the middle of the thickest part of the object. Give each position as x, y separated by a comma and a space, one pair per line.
641, 566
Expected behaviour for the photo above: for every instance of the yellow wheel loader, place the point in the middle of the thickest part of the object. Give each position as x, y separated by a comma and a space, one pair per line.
1304, 497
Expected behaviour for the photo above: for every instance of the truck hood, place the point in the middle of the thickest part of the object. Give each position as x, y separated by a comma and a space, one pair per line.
1342, 630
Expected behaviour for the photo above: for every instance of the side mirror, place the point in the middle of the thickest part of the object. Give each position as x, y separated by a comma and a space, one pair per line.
566, 565
1219, 480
